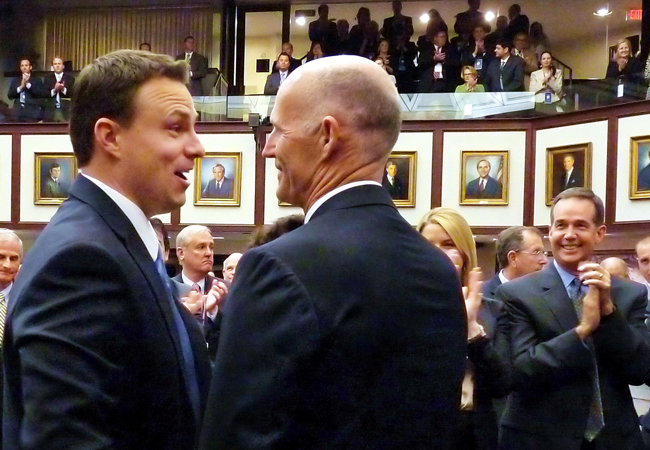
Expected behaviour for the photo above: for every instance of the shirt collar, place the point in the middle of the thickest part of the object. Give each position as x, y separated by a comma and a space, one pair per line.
135, 216
567, 277
6, 290
189, 282
502, 277
332, 193
505, 61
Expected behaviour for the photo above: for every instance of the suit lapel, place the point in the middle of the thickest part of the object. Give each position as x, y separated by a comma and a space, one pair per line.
89, 193
557, 299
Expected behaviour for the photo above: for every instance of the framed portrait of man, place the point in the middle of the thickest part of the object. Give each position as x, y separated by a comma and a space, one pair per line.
217, 179
567, 167
399, 178
53, 177
640, 168
484, 177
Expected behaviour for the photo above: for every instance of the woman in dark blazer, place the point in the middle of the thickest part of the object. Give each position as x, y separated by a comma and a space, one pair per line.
488, 375
624, 66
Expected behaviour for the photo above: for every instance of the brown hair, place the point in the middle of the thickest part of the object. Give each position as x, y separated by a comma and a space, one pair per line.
107, 88
586, 194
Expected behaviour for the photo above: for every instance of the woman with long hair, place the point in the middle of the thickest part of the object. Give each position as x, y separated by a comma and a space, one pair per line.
625, 66
382, 53
548, 78
488, 374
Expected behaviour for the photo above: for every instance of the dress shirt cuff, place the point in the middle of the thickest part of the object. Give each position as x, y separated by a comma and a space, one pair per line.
53, 93
212, 316
28, 85
64, 91
20, 89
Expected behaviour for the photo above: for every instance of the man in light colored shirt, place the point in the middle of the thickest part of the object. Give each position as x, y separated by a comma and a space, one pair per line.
98, 352
58, 85
197, 64
26, 91
484, 186
276, 79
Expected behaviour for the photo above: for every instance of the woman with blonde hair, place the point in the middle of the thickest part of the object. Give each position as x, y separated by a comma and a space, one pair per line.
488, 374
625, 66
470, 75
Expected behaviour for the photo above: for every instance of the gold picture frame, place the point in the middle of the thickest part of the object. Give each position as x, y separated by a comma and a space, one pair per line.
640, 168
493, 167
558, 162
53, 177
217, 179
400, 177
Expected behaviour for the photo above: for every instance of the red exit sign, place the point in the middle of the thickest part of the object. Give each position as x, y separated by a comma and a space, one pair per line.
634, 14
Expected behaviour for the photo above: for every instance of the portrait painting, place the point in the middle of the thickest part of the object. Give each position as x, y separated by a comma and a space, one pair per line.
567, 167
640, 168
399, 178
53, 177
217, 179
484, 177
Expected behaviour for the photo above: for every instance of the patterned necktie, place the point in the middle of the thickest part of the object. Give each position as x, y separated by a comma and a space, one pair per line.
188, 369
187, 57
3, 315
595, 421
481, 185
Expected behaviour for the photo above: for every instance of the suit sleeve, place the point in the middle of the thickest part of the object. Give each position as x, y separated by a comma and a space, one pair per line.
201, 68
68, 87
517, 81
268, 86
72, 332
535, 362
13, 90
623, 342
269, 329
535, 82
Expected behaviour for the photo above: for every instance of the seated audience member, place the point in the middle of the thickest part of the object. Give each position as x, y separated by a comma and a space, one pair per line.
162, 235
506, 72
522, 50
487, 375
519, 23
402, 61
58, 86
576, 333
520, 251
26, 91
383, 54
624, 66
198, 65
315, 52
437, 64
539, 42
643, 258
343, 30
467, 20
145, 47
471, 81
283, 225
396, 25
11, 254
360, 34
546, 79
324, 31
478, 53
275, 80
287, 47
499, 33
616, 267
195, 251
380, 63
230, 267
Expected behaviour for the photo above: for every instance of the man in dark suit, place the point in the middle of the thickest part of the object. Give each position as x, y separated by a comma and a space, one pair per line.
58, 87
643, 182
276, 79
468, 20
484, 186
195, 251
219, 186
287, 47
520, 251
519, 22
438, 64
97, 352
26, 92
506, 72
397, 25
393, 183
578, 340
198, 65
570, 178
323, 31
52, 187
306, 360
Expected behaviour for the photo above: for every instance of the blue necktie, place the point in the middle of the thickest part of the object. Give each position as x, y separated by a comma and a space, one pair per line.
188, 369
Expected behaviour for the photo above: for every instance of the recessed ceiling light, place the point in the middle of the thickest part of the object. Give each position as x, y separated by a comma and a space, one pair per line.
424, 18
602, 12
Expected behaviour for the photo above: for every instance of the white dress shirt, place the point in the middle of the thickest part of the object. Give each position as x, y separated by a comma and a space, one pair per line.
332, 193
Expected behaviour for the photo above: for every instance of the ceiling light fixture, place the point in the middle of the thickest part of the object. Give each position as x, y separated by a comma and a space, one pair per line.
489, 16
424, 18
603, 12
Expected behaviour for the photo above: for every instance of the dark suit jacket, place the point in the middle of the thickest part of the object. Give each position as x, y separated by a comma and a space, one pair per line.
396, 190
48, 84
575, 180
213, 191
272, 84
211, 328
643, 182
513, 75
326, 34
199, 69
549, 405
519, 24
293, 65
347, 360
492, 189
490, 286
391, 29
53, 190
32, 109
91, 355
426, 65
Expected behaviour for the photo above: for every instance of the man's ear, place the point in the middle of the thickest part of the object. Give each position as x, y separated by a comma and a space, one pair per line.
329, 135
106, 137
180, 253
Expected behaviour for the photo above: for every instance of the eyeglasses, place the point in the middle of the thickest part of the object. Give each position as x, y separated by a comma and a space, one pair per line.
536, 253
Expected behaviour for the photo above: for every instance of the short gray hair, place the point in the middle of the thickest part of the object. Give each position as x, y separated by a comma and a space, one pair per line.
187, 233
6, 235
511, 239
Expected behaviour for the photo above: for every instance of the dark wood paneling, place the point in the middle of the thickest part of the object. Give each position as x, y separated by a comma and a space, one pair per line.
436, 169
612, 154
260, 176
529, 177
15, 177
